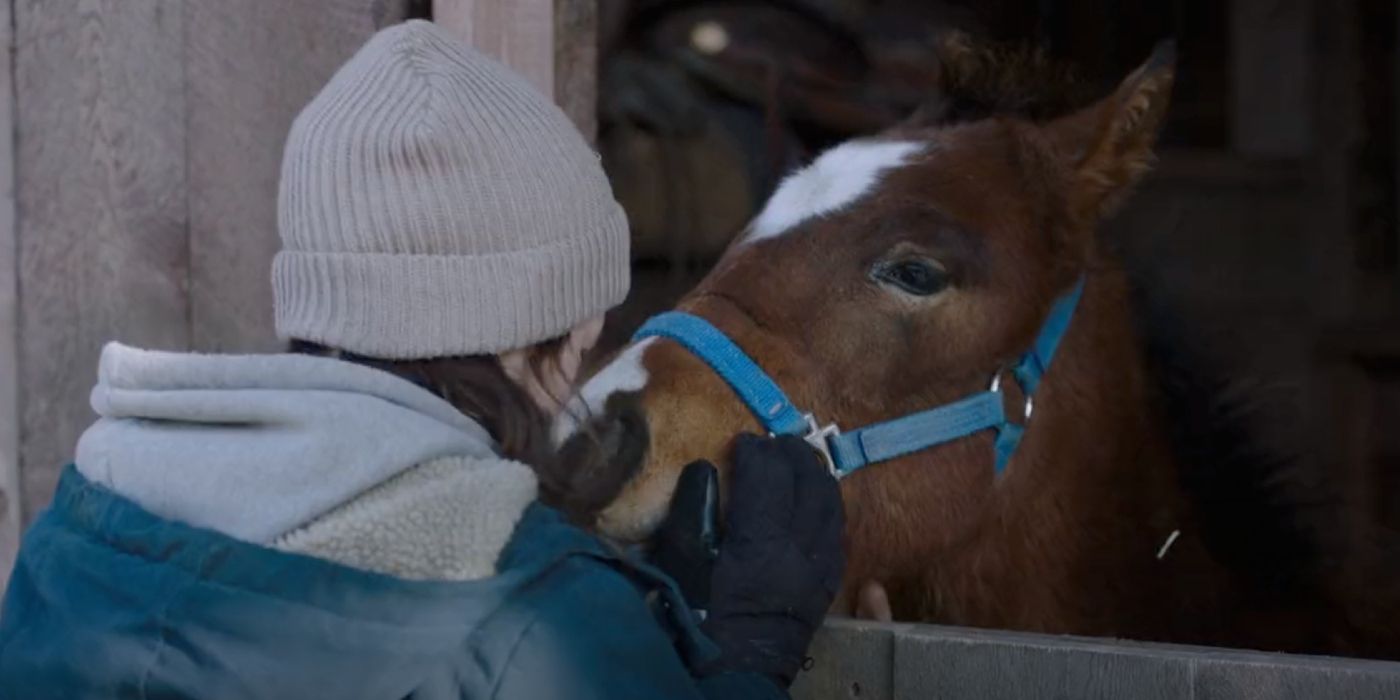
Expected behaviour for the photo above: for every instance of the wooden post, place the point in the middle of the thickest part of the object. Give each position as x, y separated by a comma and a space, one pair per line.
1338, 290
102, 219
519, 33
576, 62
11, 507
140, 146
251, 65
1271, 78
553, 43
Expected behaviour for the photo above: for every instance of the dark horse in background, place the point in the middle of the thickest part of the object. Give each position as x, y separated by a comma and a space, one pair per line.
904, 271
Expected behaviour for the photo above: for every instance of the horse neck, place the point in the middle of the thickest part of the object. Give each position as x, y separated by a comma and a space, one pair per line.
1085, 506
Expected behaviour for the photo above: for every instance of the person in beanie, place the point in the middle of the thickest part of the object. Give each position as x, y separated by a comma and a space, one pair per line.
380, 513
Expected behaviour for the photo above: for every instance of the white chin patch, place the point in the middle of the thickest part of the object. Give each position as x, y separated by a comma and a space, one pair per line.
623, 374
834, 180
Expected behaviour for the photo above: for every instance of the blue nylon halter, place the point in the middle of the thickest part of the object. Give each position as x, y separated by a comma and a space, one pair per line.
845, 452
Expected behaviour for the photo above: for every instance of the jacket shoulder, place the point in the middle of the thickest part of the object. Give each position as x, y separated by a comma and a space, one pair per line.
106, 597
445, 519
587, 632
598, 625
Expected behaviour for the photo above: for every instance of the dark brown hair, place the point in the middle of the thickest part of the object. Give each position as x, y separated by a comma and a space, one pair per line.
578, 480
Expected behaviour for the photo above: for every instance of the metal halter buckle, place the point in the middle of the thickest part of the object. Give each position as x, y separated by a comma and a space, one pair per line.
1026, 410
818, 436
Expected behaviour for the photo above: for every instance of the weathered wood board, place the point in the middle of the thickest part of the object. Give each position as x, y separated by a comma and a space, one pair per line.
576, 62
251, 65
872, 661
10, 515
102, 206
519, 33
138, 193
144, 165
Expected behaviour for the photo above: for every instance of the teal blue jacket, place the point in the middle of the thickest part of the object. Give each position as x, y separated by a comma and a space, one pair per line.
110, 601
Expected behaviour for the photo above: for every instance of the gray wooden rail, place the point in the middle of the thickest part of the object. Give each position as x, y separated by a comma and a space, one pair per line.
870, 661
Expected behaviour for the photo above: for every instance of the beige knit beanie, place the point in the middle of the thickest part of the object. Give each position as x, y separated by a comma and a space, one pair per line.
434, 204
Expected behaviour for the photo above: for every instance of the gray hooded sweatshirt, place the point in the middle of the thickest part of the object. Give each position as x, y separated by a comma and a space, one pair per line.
305, 454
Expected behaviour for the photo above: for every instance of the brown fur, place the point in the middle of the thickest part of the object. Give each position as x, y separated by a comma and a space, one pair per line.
978, 79
1067, 540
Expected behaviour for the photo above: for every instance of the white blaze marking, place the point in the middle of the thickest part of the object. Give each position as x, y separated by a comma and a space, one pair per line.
625, 373
836, 179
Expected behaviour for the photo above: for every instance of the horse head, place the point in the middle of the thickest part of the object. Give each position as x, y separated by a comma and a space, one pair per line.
892, 275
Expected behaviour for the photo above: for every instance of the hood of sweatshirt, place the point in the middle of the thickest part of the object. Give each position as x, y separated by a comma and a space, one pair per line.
256, 446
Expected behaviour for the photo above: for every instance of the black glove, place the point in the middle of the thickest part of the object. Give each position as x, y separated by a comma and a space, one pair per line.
780, 562
687, 544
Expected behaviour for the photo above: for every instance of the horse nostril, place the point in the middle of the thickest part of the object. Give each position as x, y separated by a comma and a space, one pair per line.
632, 437
598, 460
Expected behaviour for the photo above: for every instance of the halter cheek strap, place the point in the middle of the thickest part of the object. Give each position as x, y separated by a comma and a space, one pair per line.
845, 452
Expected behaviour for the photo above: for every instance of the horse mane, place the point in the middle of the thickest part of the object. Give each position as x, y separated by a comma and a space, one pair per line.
980, 79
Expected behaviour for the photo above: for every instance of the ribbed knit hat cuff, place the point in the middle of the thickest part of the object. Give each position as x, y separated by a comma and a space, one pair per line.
420, 306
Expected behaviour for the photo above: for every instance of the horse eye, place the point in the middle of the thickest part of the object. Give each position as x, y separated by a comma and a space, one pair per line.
913, 276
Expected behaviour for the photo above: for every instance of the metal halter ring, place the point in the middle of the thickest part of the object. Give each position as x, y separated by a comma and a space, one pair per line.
1026, 410
818, 437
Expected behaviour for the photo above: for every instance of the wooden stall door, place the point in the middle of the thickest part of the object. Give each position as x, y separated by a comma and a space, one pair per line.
140, 147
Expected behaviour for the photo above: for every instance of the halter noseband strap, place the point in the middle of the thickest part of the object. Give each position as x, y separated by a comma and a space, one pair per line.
845, 452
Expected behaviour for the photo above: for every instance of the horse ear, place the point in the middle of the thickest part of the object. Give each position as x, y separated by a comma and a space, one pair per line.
1109, 144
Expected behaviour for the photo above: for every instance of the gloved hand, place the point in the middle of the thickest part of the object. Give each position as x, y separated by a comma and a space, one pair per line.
687, 543
780, 562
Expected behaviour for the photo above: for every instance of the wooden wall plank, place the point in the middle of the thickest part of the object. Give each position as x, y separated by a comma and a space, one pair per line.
1335, 113
100, 165
10, 506
576, 62
148, 144
1271, 78
520, 33
251, 66
873, 661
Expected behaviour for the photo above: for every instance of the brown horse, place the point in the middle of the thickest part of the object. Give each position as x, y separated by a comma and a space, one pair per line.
903, 272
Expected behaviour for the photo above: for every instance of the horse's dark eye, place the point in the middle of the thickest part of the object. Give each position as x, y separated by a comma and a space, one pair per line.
913, 276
